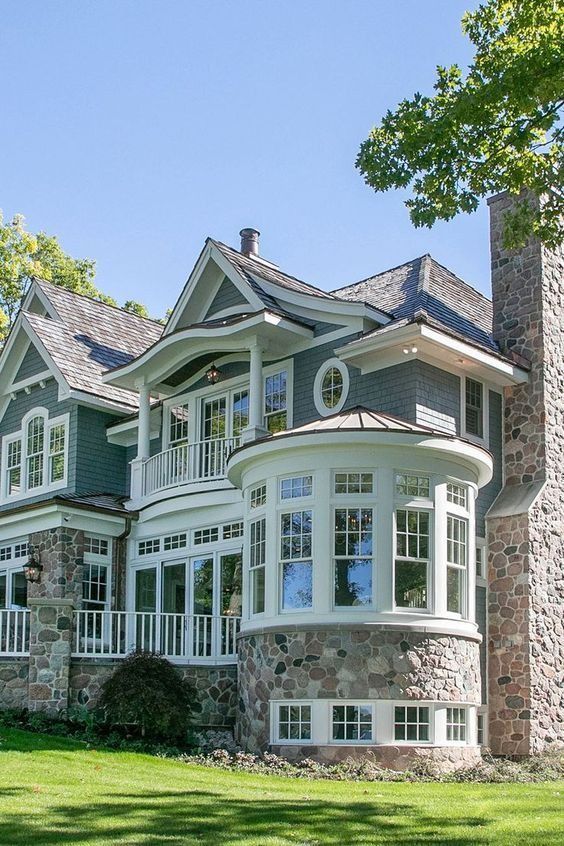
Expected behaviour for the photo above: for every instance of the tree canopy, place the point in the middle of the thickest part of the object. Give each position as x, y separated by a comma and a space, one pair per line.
24, 256
498, 127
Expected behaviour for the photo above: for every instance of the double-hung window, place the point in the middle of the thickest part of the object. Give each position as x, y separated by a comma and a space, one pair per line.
412, 559
96, 580
35, 458
457, 559
474, 407
353, 551
296, 560
257, 564
178, 425
276, 401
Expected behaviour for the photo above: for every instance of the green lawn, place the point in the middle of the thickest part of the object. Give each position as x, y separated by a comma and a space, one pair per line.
55, 791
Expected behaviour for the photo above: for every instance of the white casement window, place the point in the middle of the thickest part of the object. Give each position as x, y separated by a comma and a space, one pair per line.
96, 579
412, 558
353, 483
457, 495
35, 459
474, 408
293, 723
296, 565
412, 723
456, 725
13, 584
257, 564
178, 425
412, 485
352, 723
276, 401
296, 487
331, 386
258, 497
457, 560
353, 557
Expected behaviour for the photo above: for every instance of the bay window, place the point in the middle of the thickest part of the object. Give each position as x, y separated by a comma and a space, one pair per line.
411, 588
35, 458
296, 561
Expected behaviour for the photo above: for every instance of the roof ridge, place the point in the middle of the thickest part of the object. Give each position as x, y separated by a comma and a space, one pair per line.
41, 282
381, 273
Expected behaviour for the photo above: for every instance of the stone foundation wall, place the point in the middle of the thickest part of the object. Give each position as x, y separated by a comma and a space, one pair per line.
392, 757
349, 664
13, 682
216, 688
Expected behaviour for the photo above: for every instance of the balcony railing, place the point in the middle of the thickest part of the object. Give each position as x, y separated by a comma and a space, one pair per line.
195, 638
14, 632
180, 465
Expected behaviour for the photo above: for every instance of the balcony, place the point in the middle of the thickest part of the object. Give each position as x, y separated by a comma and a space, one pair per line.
182, 638
14, 632
186, 464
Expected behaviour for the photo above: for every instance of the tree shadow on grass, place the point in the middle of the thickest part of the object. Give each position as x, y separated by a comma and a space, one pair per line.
201, 817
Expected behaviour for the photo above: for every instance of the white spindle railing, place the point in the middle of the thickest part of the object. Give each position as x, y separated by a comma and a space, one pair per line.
187, 463
14, 631
179, 637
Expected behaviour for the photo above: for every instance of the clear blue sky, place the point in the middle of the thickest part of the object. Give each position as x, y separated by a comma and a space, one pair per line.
132, 129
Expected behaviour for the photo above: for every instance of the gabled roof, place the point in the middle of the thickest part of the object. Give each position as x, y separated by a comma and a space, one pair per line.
359, 418
424, 285
89, 338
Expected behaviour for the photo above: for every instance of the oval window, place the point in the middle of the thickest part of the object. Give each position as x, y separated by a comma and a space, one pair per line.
331, 387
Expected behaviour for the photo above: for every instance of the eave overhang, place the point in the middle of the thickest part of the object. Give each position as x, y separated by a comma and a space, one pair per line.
419, 340
275, 333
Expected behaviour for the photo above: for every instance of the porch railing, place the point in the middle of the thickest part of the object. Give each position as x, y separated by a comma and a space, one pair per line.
179, 637
14, 632
180, 465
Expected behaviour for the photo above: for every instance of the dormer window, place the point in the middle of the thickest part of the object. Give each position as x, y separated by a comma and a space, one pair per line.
35, 458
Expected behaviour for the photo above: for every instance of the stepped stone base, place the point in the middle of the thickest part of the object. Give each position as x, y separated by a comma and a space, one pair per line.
391, 757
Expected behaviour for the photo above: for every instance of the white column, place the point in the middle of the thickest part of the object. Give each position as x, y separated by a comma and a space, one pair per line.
255, 429
144, 428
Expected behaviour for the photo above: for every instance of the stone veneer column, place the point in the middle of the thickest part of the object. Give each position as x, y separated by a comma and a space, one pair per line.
526, 529
51, 604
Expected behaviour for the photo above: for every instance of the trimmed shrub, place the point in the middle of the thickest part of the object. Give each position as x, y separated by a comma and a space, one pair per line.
149, 695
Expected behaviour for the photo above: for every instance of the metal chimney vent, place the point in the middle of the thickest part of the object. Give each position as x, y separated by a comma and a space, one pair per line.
249, 241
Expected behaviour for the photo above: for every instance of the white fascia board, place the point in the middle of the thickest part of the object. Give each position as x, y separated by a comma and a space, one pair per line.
93, 401
46, 356
36, 290
42, 376
431, 341
53, 515
321, 307
182, 301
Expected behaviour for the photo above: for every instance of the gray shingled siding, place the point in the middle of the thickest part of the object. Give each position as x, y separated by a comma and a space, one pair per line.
101, 466
481, 619
438, 398
46, 397
32, 363
489, 493
324, 328
227, 296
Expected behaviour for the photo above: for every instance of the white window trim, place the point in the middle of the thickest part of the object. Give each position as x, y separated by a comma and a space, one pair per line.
49, 423
432, 719
358, 703
482, 580
350, 505
319, 376
286, 509
418, 505
10, 567
275, 722
286, 500
347, 497
485, 439
464, 569
104, 561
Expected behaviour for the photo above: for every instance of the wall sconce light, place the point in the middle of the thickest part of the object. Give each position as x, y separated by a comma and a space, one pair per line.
32, 570
213, 375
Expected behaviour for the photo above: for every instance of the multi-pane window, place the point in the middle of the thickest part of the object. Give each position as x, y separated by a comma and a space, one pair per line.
296, 487
332, 387
480, 567
208, 535
95, 587
294, 722
171, 542
474, 408
457, 494
35, 458
353, 556
352, 722
232, 530
481, 729
275, 402
258, 496
411, 723
456, 724
13, 589
96, 546
148, 547
410, 485
257, 562
14, 467
412, 558
456, 563
354, 483
240, 408
295, 558
178, 425
35, 445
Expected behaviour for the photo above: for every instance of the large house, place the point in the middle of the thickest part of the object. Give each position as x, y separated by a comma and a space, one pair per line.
340, 514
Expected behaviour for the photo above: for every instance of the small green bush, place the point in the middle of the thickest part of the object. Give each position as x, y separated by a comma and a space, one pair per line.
147, 693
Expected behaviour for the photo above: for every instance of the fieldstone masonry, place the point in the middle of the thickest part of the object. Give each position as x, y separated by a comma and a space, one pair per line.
526, 523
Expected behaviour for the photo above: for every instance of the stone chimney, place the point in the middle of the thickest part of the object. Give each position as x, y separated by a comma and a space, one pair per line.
526, 522
249, 241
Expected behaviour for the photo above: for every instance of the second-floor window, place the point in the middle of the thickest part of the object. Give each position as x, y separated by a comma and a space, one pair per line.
474, 408
178, 425
35, 458
276, 402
